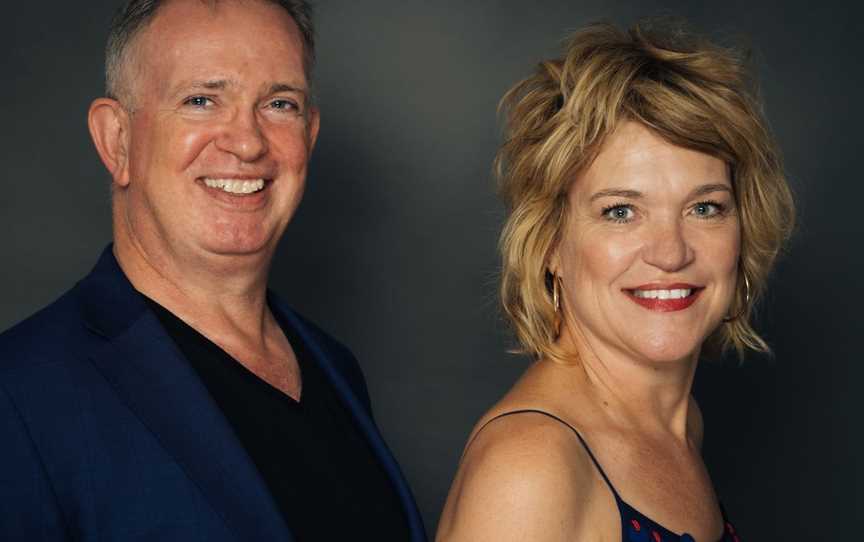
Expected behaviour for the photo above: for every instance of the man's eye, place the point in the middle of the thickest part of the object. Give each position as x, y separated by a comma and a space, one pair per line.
619, 213
198, 101
285, 105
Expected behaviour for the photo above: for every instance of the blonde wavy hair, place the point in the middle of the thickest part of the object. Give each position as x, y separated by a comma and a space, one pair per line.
691, 92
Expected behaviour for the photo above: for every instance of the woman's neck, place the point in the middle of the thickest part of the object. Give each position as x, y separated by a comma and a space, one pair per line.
635, 392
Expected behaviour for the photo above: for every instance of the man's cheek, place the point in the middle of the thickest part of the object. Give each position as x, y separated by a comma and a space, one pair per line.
188, 147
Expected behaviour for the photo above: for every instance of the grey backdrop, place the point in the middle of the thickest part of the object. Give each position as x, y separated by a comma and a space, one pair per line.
393, 249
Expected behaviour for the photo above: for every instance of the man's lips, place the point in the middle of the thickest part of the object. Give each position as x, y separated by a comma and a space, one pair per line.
235, 184
246, 192
664, 297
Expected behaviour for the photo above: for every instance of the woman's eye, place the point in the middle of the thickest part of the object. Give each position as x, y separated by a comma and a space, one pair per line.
619, 213
708, 209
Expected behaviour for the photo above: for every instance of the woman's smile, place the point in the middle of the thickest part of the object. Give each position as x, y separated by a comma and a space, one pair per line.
669, 298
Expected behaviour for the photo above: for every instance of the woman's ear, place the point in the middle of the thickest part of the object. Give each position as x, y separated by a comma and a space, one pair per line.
108, 121
553, 263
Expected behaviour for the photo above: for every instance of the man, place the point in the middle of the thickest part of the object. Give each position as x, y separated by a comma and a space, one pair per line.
167, 396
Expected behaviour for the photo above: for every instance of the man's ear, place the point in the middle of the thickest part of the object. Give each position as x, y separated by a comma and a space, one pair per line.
109, 127
313, 123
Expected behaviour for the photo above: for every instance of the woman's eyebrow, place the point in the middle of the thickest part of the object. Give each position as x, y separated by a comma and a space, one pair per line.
635, 194
713, 187
617, 193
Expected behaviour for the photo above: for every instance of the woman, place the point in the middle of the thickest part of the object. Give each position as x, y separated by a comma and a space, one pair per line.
647, 204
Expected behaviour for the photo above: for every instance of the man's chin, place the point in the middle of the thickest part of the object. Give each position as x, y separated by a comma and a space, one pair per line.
238, 250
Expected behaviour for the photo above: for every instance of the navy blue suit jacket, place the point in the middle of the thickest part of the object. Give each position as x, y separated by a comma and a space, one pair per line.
107, 432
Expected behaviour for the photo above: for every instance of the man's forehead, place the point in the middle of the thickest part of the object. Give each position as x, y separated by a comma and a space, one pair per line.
246, 45
201, 21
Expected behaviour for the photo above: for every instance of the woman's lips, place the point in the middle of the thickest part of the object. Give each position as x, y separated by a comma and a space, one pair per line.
666, 298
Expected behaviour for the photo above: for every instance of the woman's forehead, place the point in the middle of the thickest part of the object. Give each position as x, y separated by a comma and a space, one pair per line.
634, 158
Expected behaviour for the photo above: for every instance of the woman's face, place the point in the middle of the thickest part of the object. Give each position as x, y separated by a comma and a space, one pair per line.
648, 258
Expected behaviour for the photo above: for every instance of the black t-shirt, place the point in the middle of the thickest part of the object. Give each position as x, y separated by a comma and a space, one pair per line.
320, 470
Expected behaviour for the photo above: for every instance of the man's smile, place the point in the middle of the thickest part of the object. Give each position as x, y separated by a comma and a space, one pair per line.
236, 186
237, 192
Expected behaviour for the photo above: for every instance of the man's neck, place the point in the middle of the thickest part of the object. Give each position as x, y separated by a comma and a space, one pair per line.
219, 296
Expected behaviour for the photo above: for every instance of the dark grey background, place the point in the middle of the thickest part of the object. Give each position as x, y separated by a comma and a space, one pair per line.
393, 249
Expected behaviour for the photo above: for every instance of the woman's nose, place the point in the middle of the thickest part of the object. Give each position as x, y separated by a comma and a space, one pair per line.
667, 247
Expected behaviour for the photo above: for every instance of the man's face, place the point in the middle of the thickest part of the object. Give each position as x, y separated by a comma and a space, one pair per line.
221, 130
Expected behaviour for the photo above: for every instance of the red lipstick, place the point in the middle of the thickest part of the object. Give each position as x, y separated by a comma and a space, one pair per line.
670, 304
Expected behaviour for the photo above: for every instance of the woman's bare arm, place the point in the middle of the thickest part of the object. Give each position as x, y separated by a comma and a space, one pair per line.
524, 477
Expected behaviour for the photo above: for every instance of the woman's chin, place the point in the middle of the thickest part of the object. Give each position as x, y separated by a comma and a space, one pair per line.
661, 346
667, 350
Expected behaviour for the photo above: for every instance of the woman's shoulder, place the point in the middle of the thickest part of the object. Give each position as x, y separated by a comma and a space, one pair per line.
523, 476
511, 432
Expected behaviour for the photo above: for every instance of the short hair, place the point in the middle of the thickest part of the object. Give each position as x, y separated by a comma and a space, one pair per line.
691, 92
136, 15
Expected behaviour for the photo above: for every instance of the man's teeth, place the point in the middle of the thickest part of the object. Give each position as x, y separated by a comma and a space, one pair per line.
235, 186
662, 294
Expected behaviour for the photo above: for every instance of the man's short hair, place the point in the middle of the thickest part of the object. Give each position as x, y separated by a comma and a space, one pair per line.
137, 14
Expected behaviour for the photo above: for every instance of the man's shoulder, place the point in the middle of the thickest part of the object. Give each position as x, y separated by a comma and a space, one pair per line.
55, 329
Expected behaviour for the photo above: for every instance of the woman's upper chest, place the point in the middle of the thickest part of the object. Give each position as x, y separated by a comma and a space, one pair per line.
666, 482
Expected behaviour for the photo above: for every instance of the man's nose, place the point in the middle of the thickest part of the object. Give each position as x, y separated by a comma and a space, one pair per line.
667, 246
242, 136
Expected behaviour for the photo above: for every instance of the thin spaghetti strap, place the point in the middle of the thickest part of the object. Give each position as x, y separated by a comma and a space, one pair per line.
554, 417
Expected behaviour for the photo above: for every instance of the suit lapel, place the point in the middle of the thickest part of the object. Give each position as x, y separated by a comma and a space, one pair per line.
161, 388
362, 417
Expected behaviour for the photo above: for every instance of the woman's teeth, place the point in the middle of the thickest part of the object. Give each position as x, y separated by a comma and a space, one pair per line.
662, 294
234, 186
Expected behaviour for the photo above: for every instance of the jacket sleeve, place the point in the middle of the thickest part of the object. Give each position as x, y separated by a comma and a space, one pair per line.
28, 506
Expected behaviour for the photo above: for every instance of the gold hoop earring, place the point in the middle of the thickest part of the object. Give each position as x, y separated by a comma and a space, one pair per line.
743, 310
556, 293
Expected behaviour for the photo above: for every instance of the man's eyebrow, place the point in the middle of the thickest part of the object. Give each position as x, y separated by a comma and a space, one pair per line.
210, 84
276, 88
201, 84
222, 84
616, 193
